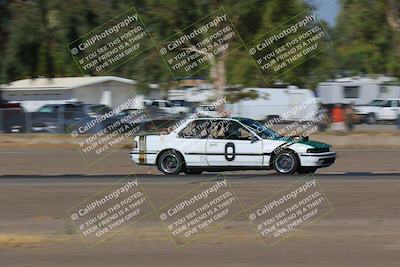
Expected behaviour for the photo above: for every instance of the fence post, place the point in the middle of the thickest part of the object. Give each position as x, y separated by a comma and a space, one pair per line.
60, 120
1, 122
28, 122
398, 120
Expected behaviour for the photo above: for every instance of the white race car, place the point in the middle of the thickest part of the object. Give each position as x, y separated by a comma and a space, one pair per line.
226, 144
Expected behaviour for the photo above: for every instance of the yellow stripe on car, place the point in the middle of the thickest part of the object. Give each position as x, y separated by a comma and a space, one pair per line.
142, 149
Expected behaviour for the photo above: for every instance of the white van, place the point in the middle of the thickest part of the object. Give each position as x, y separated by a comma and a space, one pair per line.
291, 104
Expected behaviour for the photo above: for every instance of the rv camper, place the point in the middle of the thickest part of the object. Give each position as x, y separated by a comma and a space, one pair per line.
356, 90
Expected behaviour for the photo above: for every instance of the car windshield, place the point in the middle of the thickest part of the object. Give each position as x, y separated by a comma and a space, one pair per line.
260, 129
126, 112
46, 109
376, 103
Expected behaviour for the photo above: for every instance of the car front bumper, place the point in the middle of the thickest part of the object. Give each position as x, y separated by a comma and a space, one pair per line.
317, 159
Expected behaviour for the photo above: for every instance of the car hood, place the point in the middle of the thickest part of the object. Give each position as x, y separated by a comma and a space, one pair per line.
314, 144
365, 109
301, 142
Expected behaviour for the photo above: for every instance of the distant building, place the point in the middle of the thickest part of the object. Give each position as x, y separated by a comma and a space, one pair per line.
34, 93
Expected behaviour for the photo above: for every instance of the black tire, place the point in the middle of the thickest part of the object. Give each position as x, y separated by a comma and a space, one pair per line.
286, 162
306, 170
371, 118
193, 171
170, 162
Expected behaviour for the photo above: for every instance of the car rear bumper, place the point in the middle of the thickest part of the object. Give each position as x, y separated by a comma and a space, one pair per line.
143, 158
317, 159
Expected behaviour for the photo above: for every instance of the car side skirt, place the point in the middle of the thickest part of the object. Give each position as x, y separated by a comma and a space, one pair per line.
227, 168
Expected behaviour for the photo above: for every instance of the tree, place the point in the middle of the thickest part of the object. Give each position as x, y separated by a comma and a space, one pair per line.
367, 37
34, 44
393, 14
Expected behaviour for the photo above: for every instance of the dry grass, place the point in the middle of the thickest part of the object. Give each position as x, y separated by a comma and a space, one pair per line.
20, 240
66, 142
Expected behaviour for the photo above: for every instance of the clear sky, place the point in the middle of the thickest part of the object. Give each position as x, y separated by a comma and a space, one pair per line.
327, 9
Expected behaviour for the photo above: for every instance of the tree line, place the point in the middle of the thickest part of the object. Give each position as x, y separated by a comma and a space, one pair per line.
34, 35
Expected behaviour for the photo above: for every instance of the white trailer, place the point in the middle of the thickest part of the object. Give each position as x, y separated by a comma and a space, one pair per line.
356, 90
291, 104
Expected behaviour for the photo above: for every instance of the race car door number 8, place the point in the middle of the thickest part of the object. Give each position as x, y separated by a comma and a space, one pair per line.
230, 151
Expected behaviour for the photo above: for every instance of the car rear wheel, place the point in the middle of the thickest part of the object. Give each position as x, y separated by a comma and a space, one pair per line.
306, 170
286, 162
170, 162
371, 118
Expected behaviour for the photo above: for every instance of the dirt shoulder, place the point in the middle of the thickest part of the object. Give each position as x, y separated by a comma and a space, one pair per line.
355, 140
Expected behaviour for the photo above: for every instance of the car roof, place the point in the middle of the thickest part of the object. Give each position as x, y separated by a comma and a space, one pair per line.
213, 118
89, 105
63, 104
238, 119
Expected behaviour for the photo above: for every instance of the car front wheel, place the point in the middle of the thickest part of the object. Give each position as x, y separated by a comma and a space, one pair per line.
286, 162
170, 163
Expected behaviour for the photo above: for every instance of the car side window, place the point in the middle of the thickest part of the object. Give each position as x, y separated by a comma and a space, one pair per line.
46, 109
198, 129
230, 130
217, 129
387, 104
235, 131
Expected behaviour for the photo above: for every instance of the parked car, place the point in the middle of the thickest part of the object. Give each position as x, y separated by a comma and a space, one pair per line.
60, 118
207, 110
168, 107
12, 118
379, 110
182, 106
225, 144
389, 110
132, 118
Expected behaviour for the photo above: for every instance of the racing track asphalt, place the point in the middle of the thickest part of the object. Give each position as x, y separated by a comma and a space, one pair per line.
195, 178
362, 230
